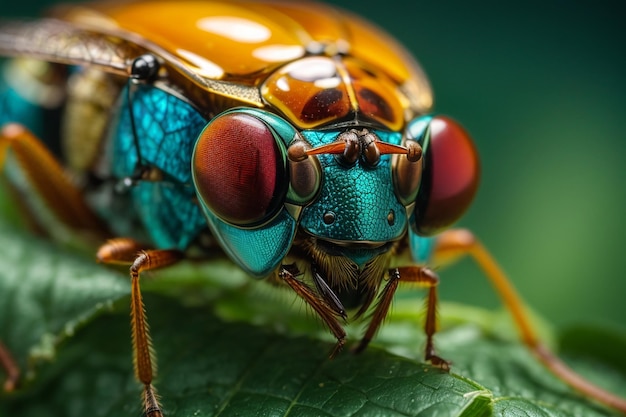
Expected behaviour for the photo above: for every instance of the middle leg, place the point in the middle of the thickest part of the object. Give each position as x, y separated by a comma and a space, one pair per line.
424, 277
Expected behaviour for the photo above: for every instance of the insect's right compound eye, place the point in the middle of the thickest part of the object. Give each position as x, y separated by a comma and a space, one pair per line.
240, 169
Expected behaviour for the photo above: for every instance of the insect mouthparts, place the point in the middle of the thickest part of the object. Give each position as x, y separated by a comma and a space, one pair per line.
360, 244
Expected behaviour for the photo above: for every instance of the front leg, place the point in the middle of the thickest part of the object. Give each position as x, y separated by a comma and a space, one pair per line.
327, 312
424, 277
127, 251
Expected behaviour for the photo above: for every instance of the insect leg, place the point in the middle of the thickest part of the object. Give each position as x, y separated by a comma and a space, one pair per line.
47, 178
328, 314
123, 251
10, 366
455, 243
415, 274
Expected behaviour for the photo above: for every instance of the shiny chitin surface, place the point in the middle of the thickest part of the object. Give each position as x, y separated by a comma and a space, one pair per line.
296, 136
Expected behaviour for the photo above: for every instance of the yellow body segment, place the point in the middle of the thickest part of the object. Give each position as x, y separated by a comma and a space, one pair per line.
246, 42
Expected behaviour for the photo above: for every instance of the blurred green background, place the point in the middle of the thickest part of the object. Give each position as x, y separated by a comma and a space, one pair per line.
541, 86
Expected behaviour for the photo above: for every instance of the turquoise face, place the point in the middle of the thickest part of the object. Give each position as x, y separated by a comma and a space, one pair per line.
359, 199
347, 205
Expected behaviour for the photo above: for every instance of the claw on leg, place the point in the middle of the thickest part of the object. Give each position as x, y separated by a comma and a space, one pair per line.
438, 361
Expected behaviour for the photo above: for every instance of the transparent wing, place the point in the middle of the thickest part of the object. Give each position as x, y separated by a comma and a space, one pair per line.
56, 41
65, 43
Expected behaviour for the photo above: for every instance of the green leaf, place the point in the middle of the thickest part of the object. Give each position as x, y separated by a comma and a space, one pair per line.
46, 294
229, 345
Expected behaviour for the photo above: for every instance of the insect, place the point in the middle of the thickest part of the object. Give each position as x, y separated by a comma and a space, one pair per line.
296, 138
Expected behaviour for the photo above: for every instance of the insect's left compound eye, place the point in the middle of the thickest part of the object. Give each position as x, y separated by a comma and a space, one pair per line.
240, 169
444, 181
450, 175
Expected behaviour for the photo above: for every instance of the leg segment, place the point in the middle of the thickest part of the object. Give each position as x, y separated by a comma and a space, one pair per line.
47, 178
327, 313
10, 366
453, 244
456, 243
418, 275
124, 251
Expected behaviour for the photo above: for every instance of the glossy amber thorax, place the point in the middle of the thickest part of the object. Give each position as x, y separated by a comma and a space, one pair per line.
245, 42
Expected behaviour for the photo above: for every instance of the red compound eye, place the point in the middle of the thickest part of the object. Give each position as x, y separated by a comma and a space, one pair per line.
450, 177
240, 170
